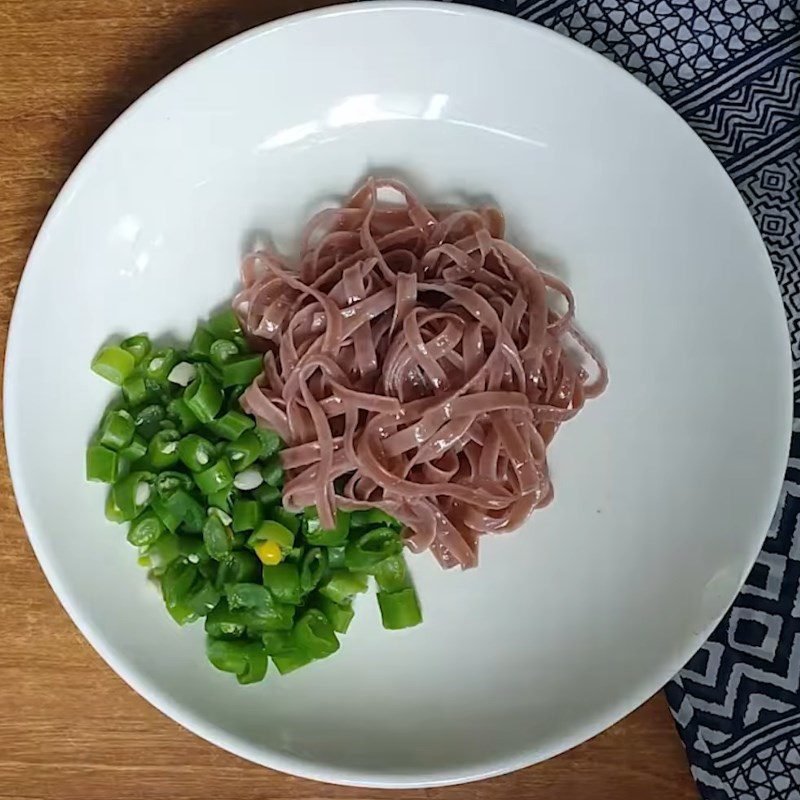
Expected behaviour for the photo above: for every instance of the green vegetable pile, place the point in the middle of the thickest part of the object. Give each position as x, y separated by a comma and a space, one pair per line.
200, 484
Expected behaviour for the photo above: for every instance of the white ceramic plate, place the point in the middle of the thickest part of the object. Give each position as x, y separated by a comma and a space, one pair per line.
664, 486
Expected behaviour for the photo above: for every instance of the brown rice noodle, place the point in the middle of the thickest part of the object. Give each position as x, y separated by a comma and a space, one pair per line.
412, 363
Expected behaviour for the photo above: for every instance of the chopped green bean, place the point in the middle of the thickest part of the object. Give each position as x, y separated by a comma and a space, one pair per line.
266, 494
215, 478
117, 429
372, 517
145, 529
270, 441
200, 345
283, 580
291, 660
342, 586
134, 450
247, 660
315, 635
240, 566
135, 389
148, 420
112, 512
102, 464
316, 534
244, 451
266, 612
272, 471
162, 451
138, 346
160, 364
221, 350
312, 568
170, 481
336, 557
271, 531
217, 538
399, 609
224, 325
372, 547
223, 623
196, 452
391, 574
340, 615
168, 519
187, 509
247, 515
132, 493
114, 364
241, 370
182, 415
231, 425
203, 395
277, 643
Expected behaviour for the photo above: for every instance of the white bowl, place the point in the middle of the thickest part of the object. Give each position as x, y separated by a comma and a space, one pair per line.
664, 486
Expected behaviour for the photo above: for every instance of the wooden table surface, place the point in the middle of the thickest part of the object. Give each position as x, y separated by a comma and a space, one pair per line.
69, 727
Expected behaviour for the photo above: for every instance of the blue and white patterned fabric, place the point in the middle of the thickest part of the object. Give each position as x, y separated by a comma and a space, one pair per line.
731, 69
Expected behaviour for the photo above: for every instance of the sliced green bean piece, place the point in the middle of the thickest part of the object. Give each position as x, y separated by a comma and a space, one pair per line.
224, 325
247, 660
247, 515
148, 420
272, 471
372, 547
196, 452
336, 557
182, 415
267, 495
117, 429
316, 534
162, 451
314, 634
114, 364
291, 660
270, 441
277, 643
244, 451
160, 364
342, 586
241, 566
215, 478
102, 464
312, 568
231, 425
399, 609
135, 389
138, 346
340, 615
391, 574
223, 623
134, 450
221, 350
241, 370
132, 493
145, 529
203, 395
200, 345
217, 537
283, 580
372, 517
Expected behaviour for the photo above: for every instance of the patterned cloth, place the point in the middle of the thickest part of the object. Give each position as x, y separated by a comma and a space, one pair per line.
731, 69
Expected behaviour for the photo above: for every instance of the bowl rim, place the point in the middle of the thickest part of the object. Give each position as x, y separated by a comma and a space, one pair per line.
185, 717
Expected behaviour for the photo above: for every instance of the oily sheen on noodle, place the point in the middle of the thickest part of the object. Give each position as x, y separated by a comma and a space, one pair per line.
412, 362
